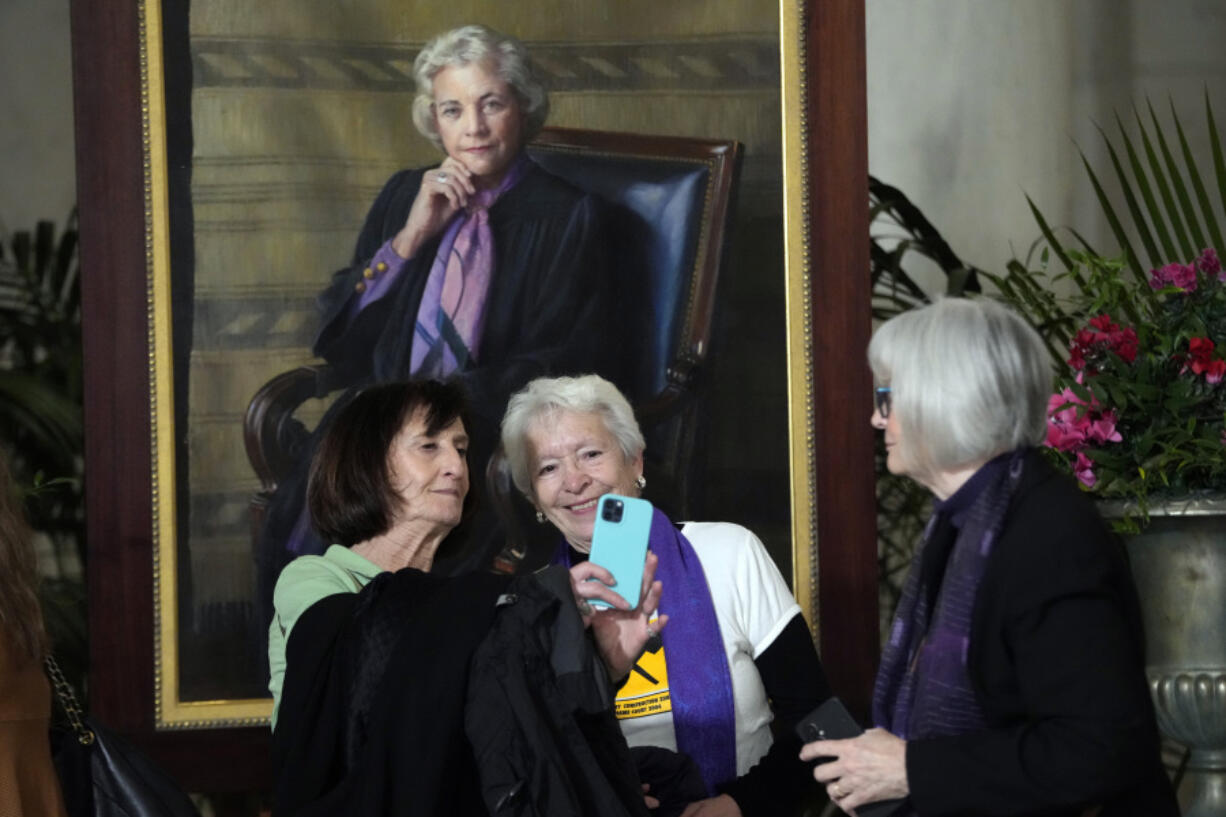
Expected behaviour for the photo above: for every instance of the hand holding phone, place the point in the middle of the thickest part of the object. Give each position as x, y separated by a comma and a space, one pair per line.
832, 721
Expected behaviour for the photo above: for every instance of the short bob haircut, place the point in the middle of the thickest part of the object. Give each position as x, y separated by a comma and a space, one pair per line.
467, 45
545, 397
350, 492
969, 380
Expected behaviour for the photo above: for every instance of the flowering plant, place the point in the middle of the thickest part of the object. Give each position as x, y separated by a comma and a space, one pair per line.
1140, 406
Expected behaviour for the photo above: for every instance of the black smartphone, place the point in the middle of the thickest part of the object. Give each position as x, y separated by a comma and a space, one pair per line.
832, 721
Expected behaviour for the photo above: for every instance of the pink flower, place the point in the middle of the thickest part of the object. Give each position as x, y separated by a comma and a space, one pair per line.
1181, 276
1083, 469
1073, 426
1066, 431
1209, 264
1102, 430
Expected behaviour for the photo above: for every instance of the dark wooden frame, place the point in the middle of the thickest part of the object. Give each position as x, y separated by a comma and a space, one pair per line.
107, 75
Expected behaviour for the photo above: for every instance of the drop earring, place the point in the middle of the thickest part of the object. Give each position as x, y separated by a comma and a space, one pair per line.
641, 482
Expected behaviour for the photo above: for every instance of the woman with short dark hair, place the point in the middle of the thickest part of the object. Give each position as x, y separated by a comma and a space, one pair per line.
388, 483
1013, 681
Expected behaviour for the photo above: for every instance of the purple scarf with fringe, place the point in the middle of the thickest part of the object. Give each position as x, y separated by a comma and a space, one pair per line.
700, 683
923, 687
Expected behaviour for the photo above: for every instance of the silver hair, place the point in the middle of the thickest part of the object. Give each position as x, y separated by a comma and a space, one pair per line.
469, 44
587, 394
970, 379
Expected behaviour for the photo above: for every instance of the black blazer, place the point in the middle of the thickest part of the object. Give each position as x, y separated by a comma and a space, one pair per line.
1057, 660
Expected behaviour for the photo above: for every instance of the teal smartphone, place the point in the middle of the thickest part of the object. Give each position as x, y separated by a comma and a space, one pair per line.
619, 543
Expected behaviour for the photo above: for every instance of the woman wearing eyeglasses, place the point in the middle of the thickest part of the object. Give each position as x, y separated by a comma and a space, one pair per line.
1013, 679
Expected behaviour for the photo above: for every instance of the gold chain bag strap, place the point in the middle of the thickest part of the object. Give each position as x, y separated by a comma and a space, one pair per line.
68, 702
101, 774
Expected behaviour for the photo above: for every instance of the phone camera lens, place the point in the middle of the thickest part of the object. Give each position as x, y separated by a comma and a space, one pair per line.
612, 510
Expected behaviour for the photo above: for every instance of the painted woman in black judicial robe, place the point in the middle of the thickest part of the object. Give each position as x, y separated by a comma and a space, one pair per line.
548, 303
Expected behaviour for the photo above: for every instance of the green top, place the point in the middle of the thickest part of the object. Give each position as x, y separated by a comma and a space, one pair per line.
303, 582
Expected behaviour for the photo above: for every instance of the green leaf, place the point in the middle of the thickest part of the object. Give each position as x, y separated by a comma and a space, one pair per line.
1181, 192
1198, 187
1130, 200
1164, 190
1219, 164
1147, 194
1054, 243
1113, 220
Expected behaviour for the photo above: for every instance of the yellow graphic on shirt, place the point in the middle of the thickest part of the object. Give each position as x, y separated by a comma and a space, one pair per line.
646, 691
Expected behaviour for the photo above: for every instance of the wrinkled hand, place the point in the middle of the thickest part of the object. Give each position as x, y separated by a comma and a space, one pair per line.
621, 633
444, 190
721, 806
866, 769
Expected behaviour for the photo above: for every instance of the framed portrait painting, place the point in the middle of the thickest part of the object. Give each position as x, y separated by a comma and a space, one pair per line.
261, 134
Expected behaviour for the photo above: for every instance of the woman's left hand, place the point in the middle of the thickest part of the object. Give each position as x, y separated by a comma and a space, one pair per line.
621, 633
721, 806
865, 769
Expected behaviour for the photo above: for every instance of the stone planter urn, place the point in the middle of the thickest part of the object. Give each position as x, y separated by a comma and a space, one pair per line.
1179, 563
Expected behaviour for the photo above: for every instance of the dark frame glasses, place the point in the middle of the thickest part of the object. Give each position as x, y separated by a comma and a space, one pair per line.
882, 399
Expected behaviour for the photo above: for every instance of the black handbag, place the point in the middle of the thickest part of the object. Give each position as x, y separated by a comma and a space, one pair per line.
101, 774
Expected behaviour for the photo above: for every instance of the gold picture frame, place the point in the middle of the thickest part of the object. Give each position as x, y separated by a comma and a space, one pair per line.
171, 710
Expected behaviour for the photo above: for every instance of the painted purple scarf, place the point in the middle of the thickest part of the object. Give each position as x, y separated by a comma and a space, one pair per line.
923, 687
700, 683
452, 310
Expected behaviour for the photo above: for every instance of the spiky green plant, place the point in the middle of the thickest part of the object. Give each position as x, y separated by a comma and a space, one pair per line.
41, 425
1168, 209
1167, 291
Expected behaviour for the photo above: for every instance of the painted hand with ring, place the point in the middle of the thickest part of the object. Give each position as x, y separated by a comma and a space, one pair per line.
861, 770
444, 192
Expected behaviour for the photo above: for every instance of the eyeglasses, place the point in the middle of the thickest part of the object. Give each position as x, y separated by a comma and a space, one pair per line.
881, 395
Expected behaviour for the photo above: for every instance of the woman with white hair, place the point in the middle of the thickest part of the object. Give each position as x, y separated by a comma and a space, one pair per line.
1013, 680
736, 646
484, 267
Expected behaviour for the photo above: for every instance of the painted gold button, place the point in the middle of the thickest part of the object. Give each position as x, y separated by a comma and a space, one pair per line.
360, 287
381, 266
368, 273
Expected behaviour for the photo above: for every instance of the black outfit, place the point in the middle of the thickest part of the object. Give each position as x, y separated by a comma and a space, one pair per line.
425, 695
1057, 662
780, 783
549, 311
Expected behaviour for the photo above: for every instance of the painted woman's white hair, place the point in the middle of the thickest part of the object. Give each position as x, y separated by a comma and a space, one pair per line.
470, 44
545, 396
969, 379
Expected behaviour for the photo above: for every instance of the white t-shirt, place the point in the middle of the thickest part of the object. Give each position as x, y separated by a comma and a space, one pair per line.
752, 604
